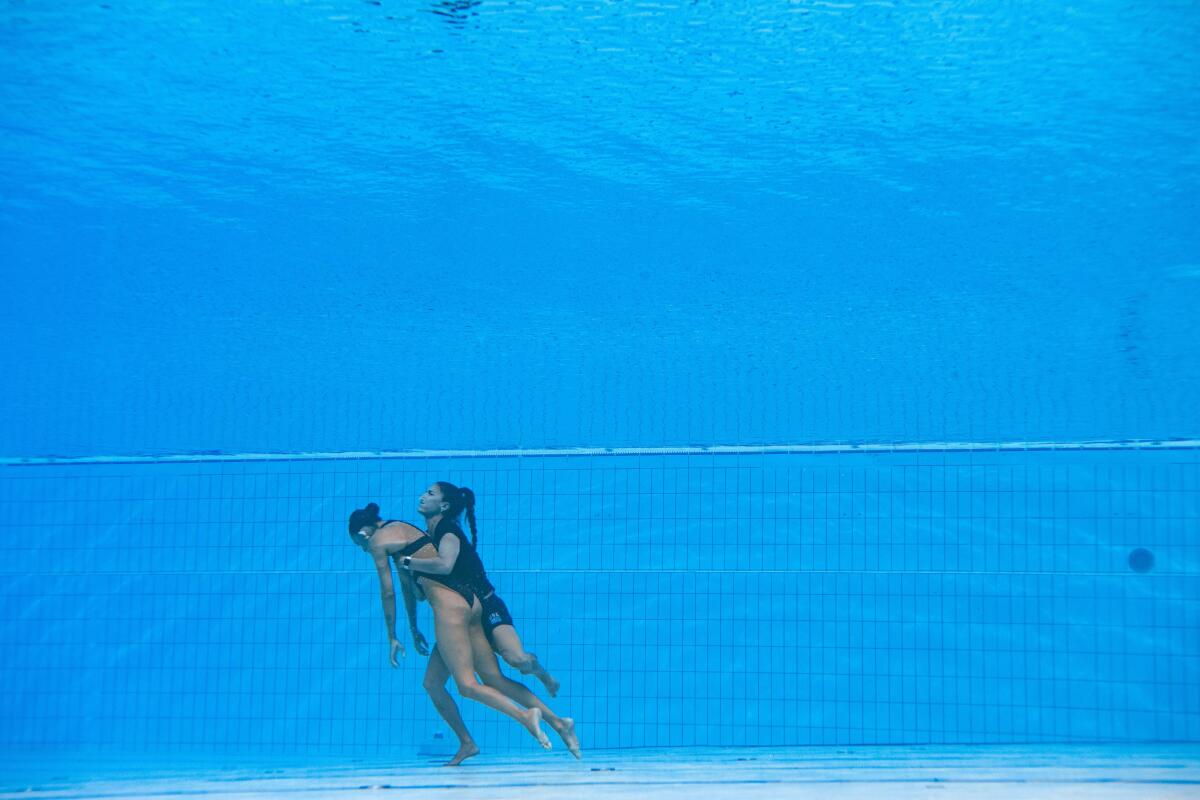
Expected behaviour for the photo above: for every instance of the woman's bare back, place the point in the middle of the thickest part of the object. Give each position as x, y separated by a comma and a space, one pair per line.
393, 538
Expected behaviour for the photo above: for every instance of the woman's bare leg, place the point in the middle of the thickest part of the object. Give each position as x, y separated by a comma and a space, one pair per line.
436, 675
454, 623
489, 672
514, 653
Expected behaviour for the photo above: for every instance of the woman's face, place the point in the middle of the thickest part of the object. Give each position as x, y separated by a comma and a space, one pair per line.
431, 502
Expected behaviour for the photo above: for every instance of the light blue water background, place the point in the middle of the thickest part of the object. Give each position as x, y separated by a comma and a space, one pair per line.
690, 600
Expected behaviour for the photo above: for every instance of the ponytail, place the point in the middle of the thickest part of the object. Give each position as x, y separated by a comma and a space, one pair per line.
460, 500
468, 501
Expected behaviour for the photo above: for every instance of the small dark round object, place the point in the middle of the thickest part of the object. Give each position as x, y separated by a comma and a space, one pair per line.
1141, 560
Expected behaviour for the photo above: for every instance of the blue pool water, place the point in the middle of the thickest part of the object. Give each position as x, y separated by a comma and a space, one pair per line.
618, 224
928, 598
477, 235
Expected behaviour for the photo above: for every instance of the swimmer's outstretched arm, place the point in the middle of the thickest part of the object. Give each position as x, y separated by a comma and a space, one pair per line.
410, 605
388, 596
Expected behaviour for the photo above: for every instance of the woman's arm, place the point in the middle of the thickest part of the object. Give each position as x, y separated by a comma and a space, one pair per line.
410, 605
443, 564
388, 596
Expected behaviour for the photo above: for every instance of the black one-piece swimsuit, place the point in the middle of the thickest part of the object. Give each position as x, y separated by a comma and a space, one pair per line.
463, 577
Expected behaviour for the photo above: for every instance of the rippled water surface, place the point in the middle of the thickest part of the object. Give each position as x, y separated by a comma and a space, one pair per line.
606, 223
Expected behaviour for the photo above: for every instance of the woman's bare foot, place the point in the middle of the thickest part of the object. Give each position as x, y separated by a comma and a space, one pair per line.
465, 751
548, 680
533, 723
566, 729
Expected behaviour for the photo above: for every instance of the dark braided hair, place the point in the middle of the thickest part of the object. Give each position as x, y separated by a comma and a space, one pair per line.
460, 499
363, 517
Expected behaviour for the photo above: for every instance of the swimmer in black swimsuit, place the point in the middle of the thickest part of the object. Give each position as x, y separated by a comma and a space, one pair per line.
468, 570
456, 611
441, 505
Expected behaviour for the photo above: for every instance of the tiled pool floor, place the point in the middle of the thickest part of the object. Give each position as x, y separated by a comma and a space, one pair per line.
826, 773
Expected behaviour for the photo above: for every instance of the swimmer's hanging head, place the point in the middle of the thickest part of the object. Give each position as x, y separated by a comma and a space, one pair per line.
450, 501
363, 523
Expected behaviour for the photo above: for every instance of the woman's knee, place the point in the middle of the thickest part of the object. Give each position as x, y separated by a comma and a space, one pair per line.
470, 689
493, 679
434, 684
519, 660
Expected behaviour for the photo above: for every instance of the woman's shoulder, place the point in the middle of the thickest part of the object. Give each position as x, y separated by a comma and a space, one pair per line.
397, 532
401, 525
448, 526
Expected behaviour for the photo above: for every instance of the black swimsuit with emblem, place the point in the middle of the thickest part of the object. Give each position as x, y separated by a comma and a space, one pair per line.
469, 578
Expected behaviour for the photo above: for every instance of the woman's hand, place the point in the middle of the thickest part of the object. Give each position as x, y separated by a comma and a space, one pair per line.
420, 643
397, 649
